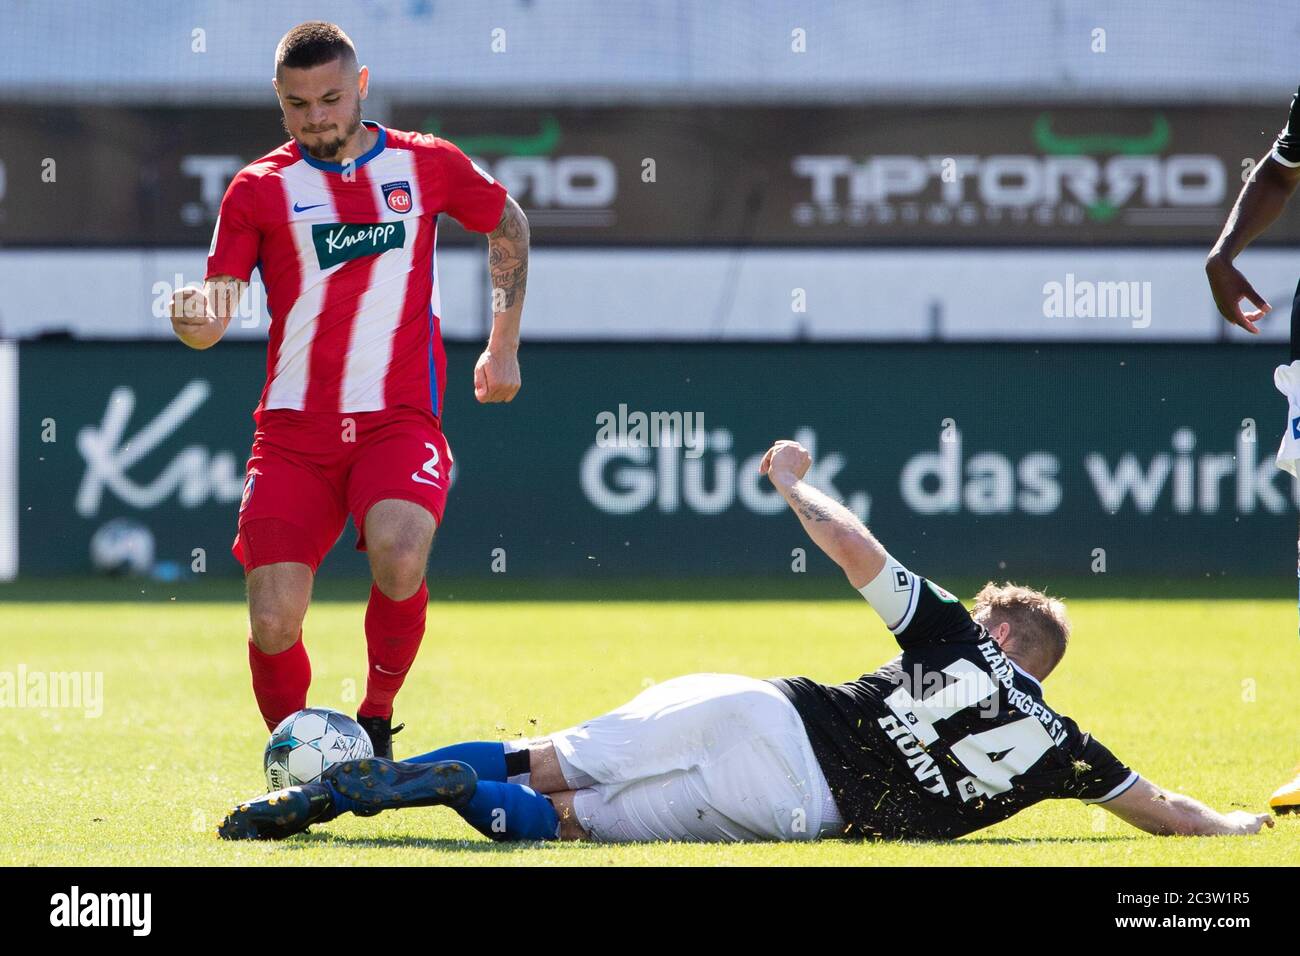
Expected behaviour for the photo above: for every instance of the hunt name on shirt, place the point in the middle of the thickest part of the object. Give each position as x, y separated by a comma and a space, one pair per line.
949, 737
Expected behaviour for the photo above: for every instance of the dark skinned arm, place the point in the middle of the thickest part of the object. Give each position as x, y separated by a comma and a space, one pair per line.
1260, 202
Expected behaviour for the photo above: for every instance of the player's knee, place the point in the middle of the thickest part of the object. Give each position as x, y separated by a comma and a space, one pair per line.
398, 526
400, 544
274, 629
399, 566
399, 579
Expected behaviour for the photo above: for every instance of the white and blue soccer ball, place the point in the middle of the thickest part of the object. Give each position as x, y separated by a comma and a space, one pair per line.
310, 742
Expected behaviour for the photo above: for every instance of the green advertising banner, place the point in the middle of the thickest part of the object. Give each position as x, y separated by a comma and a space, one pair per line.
632, 460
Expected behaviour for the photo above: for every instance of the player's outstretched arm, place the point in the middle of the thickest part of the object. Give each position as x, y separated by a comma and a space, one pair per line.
496, 375
833, 528
1261, 201
1164, 813
200, 317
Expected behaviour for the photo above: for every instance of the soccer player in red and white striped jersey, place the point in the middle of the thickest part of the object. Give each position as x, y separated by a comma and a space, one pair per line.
341, 222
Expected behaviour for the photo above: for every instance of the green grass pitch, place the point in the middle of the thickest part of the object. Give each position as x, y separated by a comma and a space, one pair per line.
1199, 695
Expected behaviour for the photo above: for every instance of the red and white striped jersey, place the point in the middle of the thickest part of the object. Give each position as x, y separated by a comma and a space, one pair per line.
348, 260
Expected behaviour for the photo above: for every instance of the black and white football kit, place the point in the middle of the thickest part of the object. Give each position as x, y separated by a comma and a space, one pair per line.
949, 737
946, 739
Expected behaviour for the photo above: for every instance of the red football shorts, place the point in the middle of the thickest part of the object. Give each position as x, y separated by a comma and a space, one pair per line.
308, 471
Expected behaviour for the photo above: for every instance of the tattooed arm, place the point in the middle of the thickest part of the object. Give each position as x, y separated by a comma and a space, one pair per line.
833, 528
496, 376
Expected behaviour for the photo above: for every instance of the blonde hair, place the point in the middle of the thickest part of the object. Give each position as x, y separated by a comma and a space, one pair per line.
1039, 624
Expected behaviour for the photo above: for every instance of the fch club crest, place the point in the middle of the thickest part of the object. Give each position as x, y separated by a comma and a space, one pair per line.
398, 196
248, 491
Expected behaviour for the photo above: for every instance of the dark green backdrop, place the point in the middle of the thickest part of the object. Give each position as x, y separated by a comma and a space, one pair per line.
1016, 496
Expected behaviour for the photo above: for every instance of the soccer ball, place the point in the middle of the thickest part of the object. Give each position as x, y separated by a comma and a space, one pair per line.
308, 743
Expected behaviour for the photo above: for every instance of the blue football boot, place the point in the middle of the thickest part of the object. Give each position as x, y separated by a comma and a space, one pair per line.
279, 814
375, 784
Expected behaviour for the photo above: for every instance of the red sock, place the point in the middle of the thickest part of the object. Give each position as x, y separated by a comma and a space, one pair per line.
394, 630
280, 681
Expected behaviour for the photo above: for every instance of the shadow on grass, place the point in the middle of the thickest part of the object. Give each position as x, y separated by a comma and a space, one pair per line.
1022, 841
445, 845
306, 841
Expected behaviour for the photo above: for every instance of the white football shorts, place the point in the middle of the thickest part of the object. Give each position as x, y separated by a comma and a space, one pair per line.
701, 758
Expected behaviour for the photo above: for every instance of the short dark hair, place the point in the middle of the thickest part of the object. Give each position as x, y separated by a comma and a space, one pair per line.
313, 43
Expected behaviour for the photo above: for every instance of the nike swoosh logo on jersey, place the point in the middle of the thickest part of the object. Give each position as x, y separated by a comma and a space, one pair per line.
415, 476
297, 208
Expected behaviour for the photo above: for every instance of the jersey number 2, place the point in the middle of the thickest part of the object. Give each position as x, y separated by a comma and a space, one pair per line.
430, 468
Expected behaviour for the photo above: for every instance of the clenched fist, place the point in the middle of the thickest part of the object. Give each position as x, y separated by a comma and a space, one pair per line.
785, 463
496, 375
192, 318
